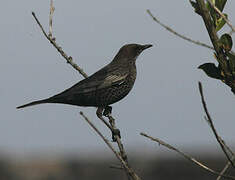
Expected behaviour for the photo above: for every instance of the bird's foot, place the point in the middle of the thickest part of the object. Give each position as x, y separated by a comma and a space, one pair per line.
107, 111
115, 132
99, 112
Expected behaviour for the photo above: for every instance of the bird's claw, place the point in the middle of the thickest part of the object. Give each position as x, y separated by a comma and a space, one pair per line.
107, 111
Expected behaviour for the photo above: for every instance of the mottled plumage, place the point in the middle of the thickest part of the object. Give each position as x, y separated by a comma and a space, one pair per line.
107, 86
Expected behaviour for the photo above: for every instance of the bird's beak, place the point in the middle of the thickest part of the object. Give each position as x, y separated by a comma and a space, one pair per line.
146, 46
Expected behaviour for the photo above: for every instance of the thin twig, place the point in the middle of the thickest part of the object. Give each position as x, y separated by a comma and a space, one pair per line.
225, 168
222, 15
125, 165
186, 156
114, 166
69, 59
118, 140
227, 148
178, 34
52, 9
218, 138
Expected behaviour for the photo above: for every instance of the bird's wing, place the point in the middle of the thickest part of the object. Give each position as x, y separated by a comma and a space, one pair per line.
109, 80
106, 77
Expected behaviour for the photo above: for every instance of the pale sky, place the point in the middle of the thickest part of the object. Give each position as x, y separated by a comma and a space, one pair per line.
164, 102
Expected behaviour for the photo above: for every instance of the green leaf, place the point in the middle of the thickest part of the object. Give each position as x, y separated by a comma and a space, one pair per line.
220, 22
231, 59
220, 4
211, 70
195, 6
226, 42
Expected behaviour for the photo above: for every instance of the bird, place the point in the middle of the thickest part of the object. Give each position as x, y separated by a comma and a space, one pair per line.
107, 86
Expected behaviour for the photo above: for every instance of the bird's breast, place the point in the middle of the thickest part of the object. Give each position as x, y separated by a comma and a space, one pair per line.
115, 92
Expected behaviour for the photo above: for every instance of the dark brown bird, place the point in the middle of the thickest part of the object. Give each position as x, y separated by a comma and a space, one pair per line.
107, 86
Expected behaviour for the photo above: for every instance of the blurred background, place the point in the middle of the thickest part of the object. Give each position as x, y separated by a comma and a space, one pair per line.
54, 142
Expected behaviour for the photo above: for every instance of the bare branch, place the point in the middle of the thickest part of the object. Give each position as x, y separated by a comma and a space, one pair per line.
186, 156
119, 142
225, 168
52, 9
178, 34
125, 165
114, 166
222, 15
116, 137
218, 138
69, 59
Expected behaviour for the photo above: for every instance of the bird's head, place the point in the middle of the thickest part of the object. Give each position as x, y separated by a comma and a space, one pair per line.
130, 52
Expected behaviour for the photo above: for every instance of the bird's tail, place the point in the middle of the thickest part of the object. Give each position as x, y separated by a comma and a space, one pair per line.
35, 103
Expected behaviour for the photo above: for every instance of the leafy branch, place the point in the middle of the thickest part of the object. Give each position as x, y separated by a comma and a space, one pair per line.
214, 20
